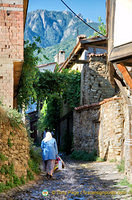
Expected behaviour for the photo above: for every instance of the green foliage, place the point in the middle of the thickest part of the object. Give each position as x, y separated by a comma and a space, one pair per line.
30, 175
11, 133
121, 166
55, 88
34, 166
67, 142
22, 180
2, 187
124, 182
98, 159
7, 169
50, 52
12, 179
113, 160
50, 118
35, 154
101, 27
26, 90
15, 117
82, 155
3, 157
35, 159
16, 180
9, 143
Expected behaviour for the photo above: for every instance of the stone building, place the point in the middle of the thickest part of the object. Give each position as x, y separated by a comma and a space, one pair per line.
120, 67
14, 144
12, 21
90, 58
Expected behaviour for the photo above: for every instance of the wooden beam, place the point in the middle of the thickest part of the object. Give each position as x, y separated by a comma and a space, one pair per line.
82, 61
123, 91
127, 77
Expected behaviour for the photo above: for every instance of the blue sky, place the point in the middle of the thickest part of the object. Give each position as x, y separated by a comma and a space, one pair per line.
91, 9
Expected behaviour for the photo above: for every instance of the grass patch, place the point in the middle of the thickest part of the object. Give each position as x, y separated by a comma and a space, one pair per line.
113, 160
11, 115
3, 157
124, 182
12, 179
121, 166
35, 159
30, 175
98, 159
82, 155
34, 166
9, 143
14, 117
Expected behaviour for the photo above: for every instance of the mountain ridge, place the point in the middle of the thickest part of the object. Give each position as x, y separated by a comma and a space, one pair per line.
54, 28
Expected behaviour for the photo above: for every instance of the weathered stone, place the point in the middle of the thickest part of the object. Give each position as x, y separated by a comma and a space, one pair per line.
18, 154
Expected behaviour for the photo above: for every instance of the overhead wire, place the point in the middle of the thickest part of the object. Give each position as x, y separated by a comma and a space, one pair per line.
81, 19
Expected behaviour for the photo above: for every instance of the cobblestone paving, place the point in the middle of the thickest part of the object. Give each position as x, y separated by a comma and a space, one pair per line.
78, 181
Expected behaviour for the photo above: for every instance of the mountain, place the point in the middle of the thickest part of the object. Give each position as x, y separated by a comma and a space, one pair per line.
56, 27
50, 52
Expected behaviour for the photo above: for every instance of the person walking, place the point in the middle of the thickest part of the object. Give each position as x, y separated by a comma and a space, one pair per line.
49, 154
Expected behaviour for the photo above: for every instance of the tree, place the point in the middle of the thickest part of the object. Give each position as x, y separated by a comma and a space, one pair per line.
29, 76
102, 27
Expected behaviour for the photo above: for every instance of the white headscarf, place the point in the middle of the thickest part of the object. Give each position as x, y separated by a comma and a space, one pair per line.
47, 137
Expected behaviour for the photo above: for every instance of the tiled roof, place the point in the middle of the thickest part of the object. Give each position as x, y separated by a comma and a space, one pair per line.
85, 107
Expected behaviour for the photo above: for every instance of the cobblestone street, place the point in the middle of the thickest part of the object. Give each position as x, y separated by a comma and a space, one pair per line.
78, 181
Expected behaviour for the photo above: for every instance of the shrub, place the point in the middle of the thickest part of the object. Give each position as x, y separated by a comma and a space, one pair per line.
13, 179
124, 182
15, 118
3, 157
22, 179
98, 159
30, 175
9, 143
34, 166
82, 155
35, 154
121, 166
35, 159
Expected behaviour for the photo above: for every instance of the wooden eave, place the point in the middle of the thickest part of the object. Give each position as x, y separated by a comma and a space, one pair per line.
95, 42
18, 64
25, 7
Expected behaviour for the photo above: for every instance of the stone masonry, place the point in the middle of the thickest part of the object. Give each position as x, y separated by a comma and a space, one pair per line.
101, 127
11, 46
95, 85
14, 145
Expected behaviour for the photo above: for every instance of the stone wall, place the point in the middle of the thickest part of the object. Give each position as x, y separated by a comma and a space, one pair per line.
14, 145
11, 46
127, 109
101, 127
95, 85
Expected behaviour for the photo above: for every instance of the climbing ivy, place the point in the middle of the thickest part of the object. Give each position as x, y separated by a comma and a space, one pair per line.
26, 91
56, 88
52, 87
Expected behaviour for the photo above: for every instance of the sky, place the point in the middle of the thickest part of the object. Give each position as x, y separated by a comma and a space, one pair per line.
90, 9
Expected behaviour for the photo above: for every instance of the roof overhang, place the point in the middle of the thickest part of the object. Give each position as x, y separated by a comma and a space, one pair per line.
83, 44
25, 6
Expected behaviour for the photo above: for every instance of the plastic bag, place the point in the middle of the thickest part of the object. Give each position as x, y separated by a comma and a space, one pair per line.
59, 164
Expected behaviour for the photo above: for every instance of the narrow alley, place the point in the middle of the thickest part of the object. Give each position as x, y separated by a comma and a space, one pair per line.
77, 181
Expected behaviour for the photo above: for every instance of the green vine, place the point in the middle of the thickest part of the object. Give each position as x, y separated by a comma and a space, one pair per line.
53, 89
12, 179
9, 143
3, 157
